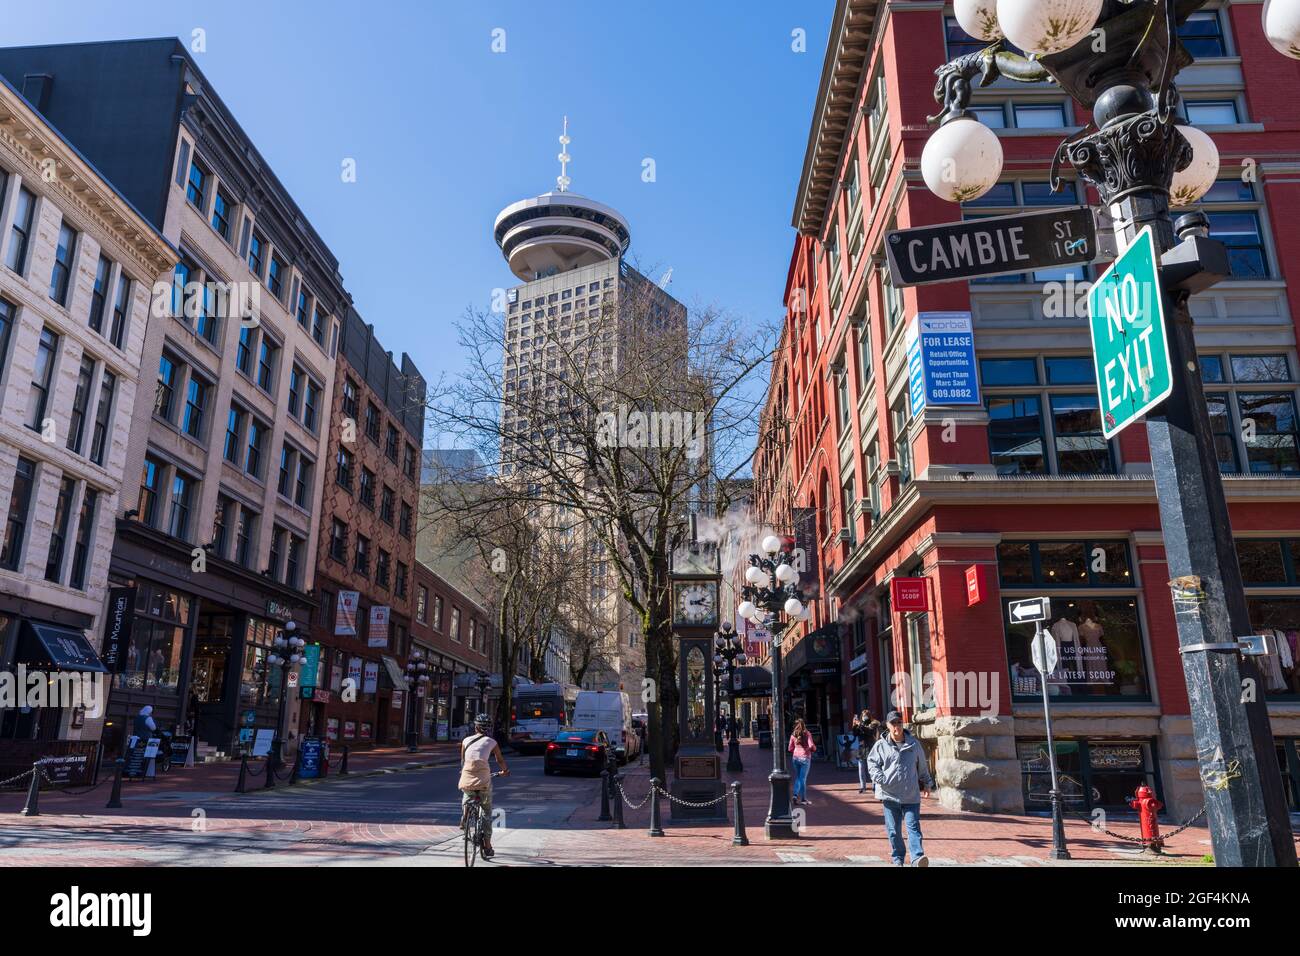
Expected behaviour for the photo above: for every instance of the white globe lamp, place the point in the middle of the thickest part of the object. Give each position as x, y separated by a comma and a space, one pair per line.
771, 544
793, 607
979, 18
962, 160
786, 574
755, 575
1194, 181
1282, 26
1047, 26
746, 609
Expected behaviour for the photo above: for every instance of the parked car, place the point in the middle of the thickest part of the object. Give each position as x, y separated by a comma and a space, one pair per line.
587, 751
610, 711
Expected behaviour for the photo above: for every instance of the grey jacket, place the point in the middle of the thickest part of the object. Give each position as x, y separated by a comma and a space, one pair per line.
899, 770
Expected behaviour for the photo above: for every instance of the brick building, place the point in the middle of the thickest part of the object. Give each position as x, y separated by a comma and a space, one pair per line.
1023, 495
455, 636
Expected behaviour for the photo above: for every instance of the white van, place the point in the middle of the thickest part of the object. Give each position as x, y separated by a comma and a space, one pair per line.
610, 711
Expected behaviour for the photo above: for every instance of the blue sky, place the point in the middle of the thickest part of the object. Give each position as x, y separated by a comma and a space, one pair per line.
445, 132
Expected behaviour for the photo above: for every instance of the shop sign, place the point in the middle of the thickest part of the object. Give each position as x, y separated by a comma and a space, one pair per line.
278, 611
909, 594
345, 620
312, 753
117, 628
858, 663
941, 360
974, 585
310, 665
397, 700
262, 741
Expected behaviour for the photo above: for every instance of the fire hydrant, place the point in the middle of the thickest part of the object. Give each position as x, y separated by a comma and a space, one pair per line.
1145, 803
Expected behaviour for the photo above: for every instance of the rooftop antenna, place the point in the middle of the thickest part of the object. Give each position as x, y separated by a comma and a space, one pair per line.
563, 180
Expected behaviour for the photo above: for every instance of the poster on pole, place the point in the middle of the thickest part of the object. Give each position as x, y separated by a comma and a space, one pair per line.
345, 621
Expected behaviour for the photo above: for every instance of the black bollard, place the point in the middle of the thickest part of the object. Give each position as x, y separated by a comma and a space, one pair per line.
297, 762
738, 837
604, 797
617, 797
242, 785
32, 807
270, 769
656, 826
115, 798
343, 767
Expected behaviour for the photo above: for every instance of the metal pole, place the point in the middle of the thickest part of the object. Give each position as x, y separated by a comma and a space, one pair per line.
1059, 852
779, 824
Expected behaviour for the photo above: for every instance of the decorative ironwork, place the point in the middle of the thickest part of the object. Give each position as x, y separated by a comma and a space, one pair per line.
1139, 153
952, 89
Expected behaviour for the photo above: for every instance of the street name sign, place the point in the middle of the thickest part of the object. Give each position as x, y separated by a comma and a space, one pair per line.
992, 246
1130, 347
1043, 651
1030, 609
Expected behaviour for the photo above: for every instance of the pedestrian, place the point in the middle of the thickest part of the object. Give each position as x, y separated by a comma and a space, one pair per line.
802, 748
143, 727
899, 770
866, 729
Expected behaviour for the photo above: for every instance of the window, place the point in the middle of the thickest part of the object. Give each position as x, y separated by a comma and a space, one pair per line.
293, 562
1240, 232
153, 658
234, 433
311, 405
196, 189
121, 307
80, 404
1022, 439
1038, 115
42, 373
275, 277
386, 502
150, 491
256, 251
1211, 112
276, 555
221, 207
381, 568
64, 257
99, 294
246, 537
304, 307
196, 400
455, 624
178, 522
288, 456
267, 357
244, 349
350, 398
372, 422
893, 302
422, 604
20, 497
1252, 425
900, 415
1202, 34
408, 462
59, 529
390, 443
437, 612
318, 325
295, 391
302, 483
81, 547
343, 470
367, 488
339, 541
165, 390
103, 417
257, 430
404, 520
1094, 774
361, 557
206, 322
221, 521
7, 312
20, 234
994, 117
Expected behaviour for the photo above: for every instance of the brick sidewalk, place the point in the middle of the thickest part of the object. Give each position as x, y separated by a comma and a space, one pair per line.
216, 778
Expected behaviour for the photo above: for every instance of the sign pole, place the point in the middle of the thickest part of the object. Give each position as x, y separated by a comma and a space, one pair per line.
1059, 851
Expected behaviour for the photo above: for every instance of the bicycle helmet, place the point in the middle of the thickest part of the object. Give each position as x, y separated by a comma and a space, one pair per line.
482, 723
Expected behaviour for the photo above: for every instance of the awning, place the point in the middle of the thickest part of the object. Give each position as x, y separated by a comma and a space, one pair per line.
818, 653
751, 681
58, 648
395, 674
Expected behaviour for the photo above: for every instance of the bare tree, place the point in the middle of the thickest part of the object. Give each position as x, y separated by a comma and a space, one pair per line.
622, 430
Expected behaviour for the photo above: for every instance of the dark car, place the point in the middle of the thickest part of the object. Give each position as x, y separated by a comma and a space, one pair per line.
586, 751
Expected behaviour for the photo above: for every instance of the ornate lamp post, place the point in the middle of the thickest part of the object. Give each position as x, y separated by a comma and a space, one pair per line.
772, 600
286, 653
728, 656
1118, 58
484, 683
417, 678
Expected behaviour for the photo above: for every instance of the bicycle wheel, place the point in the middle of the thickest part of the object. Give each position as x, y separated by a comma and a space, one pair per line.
471, 835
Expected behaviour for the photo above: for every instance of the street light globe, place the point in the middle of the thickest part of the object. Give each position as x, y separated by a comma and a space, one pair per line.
786, 574
1047, 26
979, 18
1282, 26
771, 544
793, 607
755, 575
742, 659
746, 609
1194, 181
962, 160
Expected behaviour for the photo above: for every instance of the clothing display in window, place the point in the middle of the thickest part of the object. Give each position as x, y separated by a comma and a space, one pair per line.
1278, 663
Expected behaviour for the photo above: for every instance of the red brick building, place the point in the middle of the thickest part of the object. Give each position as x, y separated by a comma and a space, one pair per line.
1023, 493
366, 556
455, 636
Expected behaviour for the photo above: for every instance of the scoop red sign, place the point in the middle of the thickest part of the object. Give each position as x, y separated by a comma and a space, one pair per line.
909, 594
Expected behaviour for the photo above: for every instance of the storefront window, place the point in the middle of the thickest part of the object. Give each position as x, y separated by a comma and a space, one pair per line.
1278, 620
153, 657
1092, 773
259, 682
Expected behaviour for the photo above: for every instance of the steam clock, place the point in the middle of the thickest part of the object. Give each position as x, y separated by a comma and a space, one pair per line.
697, 774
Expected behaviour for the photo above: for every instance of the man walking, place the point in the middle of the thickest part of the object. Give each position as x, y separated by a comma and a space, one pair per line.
901, 776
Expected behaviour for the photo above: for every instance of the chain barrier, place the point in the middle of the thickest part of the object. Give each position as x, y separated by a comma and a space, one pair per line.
22, 776
628, 802
256, 773
690, 803
1143, 841
75, 793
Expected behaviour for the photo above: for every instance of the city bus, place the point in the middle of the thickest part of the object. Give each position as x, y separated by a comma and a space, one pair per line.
540, 712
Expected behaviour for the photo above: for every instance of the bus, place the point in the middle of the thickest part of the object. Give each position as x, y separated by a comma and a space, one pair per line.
540, 712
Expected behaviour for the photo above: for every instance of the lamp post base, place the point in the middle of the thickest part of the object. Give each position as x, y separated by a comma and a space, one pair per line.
779, 824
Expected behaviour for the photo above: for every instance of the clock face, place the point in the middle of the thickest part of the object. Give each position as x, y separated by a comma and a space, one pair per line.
696, 604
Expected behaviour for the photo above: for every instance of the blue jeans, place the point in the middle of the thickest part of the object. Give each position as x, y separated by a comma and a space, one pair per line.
896, 815
863, 777
801, 778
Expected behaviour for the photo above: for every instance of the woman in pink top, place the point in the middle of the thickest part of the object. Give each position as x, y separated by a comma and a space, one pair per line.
802, 748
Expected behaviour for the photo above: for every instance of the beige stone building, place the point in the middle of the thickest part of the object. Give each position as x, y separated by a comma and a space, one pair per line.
77, 266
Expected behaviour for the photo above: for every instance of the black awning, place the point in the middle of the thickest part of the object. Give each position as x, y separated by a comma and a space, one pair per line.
751, 681
58, 648
818, 653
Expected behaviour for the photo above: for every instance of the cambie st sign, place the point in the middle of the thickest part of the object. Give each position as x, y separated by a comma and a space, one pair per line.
1130, 349
996, 245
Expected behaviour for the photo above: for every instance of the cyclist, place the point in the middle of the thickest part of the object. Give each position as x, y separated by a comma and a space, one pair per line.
475, 778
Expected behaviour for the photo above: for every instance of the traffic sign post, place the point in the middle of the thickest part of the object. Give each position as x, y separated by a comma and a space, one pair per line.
1043, 651
1130, 347
1030, 609
992, 246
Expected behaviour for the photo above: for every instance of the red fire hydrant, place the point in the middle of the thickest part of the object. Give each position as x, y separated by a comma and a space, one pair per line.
1145, 803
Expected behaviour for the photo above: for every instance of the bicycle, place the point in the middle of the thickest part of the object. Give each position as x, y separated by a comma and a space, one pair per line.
472, 825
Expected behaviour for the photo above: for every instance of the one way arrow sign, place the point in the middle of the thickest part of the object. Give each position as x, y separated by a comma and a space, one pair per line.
1031, 609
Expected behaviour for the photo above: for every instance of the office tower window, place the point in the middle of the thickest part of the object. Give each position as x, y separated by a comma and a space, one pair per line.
80, 404
196, 400
59, 531
99, 295
287, 457
196, 189
181, 276
85, 531
20, 498
150, 492
20, 234
206, 322
221, 207
295, 390
293, 562
121, 307
303, 310
178, 524
64, 256
103, 417
318, 325
276, 555
42, 373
